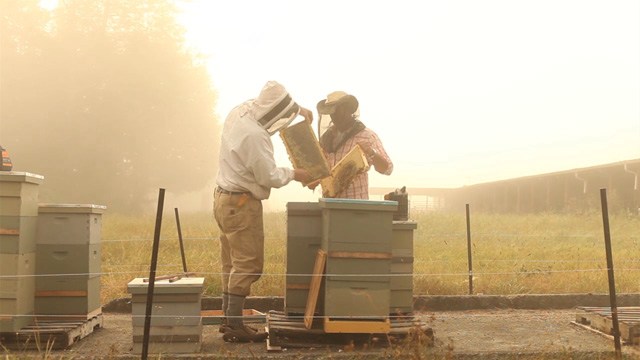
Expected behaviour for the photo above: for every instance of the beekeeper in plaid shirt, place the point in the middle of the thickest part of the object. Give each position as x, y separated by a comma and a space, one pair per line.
347, 131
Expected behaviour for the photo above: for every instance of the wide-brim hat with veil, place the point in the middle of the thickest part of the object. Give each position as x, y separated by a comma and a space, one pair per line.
337, 98
274, 109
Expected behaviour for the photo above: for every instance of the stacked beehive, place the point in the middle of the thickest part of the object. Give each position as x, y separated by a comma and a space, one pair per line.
304, 237
18, 217
68, 260
176, 323
401, 282
356, 235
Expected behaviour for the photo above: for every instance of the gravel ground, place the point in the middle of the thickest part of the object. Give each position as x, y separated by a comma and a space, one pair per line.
499, 334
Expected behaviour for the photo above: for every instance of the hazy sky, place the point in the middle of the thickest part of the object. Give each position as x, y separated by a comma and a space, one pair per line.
460, 92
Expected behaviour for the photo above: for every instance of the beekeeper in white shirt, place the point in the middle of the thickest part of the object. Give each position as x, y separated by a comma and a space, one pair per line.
247, 172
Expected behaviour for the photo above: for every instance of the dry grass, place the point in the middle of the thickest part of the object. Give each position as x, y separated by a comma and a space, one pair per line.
513, 254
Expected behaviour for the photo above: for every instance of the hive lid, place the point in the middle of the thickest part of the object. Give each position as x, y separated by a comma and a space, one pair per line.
405, 225
359, 204
21, 176
181, 286
71, 208
296, 207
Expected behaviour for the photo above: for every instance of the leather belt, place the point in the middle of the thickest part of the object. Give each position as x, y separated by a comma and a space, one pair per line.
227, 192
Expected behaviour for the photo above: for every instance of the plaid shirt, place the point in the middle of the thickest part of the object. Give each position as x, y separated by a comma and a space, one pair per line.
359, 189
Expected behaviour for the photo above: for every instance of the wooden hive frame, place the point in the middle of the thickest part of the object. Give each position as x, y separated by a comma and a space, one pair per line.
304, 151
345, 171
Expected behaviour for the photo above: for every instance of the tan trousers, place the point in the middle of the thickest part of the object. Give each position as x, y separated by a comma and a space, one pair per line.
241, 241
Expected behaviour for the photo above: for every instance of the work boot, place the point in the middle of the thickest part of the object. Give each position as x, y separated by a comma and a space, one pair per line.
235, 330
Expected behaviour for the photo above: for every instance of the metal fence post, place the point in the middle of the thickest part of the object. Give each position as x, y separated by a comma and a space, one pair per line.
152, 276
469, 259
184, 259
612, 281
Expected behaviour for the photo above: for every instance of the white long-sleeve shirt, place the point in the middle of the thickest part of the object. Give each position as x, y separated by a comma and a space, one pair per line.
246, 161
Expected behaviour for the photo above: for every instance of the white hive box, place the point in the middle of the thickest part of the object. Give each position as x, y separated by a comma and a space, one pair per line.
17, 285
176, 321
70, 224
68, 245
18, 215
401, 281
19, 193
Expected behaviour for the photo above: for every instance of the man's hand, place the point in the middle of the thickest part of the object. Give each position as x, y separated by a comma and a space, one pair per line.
307, 114
301, 175
366, 147
313, 185
378, 161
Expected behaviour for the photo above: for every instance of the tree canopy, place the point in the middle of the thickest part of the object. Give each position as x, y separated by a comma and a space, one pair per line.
104, 99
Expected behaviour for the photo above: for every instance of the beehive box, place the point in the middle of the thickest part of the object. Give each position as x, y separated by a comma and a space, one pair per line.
17, 234
19, 193
69, 224
344, 173
18, 200
76, 296
357, 235
304, 150
401, 281
176, 320
357, 225
304, 237
68, 259
17, 286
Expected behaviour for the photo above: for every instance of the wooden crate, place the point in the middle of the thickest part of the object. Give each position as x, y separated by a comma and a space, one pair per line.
600, 319
214, 317
51, 333
285, 331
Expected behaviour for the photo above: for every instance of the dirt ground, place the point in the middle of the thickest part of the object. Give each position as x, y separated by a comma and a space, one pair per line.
494, 334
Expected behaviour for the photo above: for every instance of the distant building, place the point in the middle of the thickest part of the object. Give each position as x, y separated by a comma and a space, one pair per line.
570, 190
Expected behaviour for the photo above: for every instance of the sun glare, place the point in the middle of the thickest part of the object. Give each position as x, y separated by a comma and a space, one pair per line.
49, 4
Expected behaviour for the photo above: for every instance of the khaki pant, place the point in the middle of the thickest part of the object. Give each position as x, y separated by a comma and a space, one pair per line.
241, 241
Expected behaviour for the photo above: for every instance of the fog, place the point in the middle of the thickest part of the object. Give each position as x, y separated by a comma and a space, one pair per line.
103, 100
111, 100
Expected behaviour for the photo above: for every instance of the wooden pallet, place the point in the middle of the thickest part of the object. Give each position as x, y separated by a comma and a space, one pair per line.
600, 319
287, 331
51, 334
214, 317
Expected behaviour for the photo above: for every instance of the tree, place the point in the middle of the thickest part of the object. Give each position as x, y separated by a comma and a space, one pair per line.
104, 99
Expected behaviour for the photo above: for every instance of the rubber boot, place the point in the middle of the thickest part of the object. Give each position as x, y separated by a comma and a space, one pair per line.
225, 303
236, 330
225, 323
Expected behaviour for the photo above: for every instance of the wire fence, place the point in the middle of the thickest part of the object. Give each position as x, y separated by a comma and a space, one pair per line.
414, 274
493, 314
364, 275
418, 237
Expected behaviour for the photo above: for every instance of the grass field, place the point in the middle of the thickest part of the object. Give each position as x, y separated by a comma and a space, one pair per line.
512, 254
